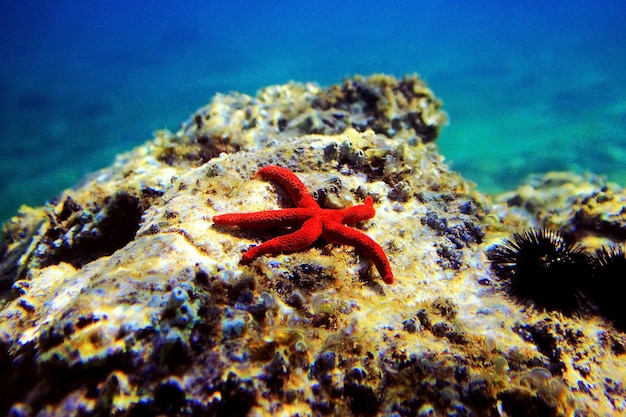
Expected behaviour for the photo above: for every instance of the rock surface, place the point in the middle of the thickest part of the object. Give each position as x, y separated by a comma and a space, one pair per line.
120, 297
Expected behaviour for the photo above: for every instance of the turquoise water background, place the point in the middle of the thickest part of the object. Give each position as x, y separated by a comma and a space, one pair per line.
530, 86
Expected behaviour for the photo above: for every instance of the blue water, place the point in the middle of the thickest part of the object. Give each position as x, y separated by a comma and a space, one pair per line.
530, 86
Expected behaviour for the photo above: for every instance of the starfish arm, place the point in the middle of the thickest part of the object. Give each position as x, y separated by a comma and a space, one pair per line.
353, 214
315, 222
300, 239
265, 219
296, 189
338, 233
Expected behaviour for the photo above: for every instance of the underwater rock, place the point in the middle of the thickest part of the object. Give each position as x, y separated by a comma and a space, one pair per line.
587, 207
121, 297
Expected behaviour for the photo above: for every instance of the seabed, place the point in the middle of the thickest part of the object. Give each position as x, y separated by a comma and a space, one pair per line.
121, 297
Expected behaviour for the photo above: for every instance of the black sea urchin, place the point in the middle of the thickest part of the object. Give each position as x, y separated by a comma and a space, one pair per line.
605, 290
542, 268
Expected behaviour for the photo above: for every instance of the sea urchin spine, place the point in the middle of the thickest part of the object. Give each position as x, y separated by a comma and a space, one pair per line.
606, 287
541, 268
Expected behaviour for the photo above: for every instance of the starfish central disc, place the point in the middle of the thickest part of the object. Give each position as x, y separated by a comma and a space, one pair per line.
314, 221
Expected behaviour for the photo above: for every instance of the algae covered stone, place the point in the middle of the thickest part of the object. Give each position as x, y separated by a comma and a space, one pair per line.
121, 297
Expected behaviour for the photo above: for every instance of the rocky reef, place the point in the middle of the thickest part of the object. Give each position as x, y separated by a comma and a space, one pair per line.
121, 297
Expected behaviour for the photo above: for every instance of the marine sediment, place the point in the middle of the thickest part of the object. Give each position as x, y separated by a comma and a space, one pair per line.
122, 297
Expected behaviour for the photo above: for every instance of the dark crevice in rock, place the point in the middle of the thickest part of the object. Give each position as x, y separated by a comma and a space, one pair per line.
80, 236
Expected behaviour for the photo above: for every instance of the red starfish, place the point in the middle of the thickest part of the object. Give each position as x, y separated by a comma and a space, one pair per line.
315, 222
